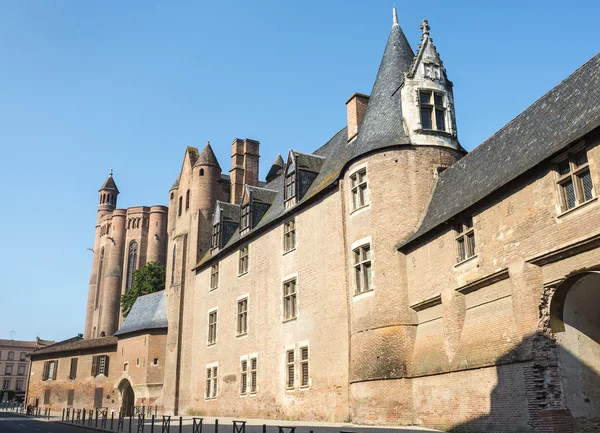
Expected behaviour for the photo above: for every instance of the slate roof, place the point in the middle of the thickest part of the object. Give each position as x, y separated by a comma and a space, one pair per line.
148, 312
207, 157
276, 169
109, 184
308, 162
561, 116
229, 211
262, 195
19, 344
76, 344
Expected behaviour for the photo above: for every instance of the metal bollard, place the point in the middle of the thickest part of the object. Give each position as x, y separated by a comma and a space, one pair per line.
152, 425
264, 428
96, 417
112, 419
63, 415
217, 425
130, 420
180, 423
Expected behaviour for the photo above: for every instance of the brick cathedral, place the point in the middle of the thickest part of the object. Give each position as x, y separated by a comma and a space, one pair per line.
389, 277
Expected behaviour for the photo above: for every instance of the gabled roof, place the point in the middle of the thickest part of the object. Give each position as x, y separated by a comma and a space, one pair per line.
175, 185
193, 152
76, 344
148, 312
109, 184
308, 162
276, 169
262, 195
561, 116
207, 157
227, 212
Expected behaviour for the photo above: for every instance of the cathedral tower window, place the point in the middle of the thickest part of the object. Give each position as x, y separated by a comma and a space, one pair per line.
465, 240
574, 179
131, 264
362, 268
358, 187
201, 172
433, 110
173, 262
187, 200
180, 206
99, 280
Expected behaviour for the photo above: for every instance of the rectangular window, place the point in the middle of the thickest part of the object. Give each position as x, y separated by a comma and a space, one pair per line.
244, 378
289, 369
245, 223
23, 355
98, 394
216, 230
358, 185
211, 382
289, 235
253, 374
6, 384
8, 369
214, 276
100, 365
432, 103
362, 268
11, 356
50, 370
465, 240
21, 370
243, 266
304, 367
289, 300
242, 317
212, 327
70, 397
290, 186
73, 370
19, 386
575, 180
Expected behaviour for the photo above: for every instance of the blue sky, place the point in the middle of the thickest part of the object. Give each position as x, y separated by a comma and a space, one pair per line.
89, 86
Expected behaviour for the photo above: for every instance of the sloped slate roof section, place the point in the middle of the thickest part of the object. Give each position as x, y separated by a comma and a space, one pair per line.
148, 312
382, 125
308, 162
75, 345
262, 195
109, 184
207, 157
558, 118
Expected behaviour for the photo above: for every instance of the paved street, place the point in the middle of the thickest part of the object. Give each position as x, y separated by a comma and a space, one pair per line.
11, 423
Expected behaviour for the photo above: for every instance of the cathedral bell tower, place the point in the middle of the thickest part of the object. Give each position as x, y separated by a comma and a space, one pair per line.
108, 196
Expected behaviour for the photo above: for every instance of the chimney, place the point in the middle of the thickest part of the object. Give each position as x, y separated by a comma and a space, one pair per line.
244, 166
356, 107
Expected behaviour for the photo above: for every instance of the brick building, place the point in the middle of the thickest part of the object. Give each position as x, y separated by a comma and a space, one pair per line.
388, 277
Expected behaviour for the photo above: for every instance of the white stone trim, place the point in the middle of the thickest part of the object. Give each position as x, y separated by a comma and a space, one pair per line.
360, 243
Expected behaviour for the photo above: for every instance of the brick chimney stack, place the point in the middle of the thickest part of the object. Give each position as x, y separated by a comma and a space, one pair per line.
244, 166
356, 108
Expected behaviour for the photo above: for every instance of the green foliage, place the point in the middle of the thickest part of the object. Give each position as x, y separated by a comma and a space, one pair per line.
148, 279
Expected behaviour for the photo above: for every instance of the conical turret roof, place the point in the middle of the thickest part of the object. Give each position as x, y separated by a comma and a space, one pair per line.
276, 169
207, 157
109, 184
382, 125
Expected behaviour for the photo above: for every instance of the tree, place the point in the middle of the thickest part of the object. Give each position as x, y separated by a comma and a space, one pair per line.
149, 279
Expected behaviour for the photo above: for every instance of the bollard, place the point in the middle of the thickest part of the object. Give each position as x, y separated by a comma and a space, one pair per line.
130, 420
112, 419
264, 428
63, 415
96, 417
152, 425
217, 425
180, 423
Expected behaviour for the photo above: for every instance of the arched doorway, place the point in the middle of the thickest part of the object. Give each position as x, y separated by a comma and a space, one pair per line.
575, 320
127, 397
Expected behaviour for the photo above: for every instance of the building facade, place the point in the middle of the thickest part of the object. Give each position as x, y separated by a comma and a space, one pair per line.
387, 278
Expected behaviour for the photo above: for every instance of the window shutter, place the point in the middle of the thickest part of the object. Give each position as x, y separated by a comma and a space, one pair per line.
106, 365
73, 373
98, 397
45, 371
55, 369
94, 365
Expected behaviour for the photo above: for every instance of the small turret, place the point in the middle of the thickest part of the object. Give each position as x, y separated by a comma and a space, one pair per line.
276, 169
108, 195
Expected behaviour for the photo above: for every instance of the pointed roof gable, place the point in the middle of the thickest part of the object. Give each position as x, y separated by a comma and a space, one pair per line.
109, 184
207, 157
193, 154
276, 169
382, 125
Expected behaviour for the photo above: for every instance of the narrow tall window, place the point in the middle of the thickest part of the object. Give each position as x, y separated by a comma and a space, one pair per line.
304, 367
99, 279
465, 240
362, 268
19, 386
245, 223
173, 264
6, 384
100, 365
289, 235
22, 356
289, 191
244, 377
216, 229
211, 382
180, 206
242, 316
253, 374
433, 110
8, 368
73, 369
289, 300
358, 188
11, 356
575, 180
21, 370
131, 264
290, 370
187, 200
214, 276
212, 327
243, 265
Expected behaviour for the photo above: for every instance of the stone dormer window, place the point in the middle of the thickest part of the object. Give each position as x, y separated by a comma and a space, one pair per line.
245, 220
433, 110
289, 192
216, 235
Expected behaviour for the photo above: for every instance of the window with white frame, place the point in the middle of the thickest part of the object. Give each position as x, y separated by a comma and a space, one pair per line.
304, 372
574, 178
433, 110
211, 382
289, 235
242, 316
243, 265
212, 327
253, 374
214, 276
358, 187
290, 369
244, 377
362, 268
465, 240
289, 300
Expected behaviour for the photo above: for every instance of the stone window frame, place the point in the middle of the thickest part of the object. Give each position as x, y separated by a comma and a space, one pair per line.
215, 237
242, 316
244, 260
213, 319
290, 368
359, 189
21, 369
23, 356
244, 377
17, 386
11, 356
434, 107
6, 383
253, 377
8, 369
289, 235
211, 391
362, 265
290, 312
304, 366
290, 184
576, 171
465, 240
245, 215
214, 276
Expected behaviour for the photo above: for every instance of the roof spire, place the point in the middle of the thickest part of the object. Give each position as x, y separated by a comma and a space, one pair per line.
110, 172
395, 16
425, 29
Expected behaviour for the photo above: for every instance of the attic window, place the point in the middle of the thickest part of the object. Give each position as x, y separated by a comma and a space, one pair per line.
245, 223
216, 230
433, 110
290, 183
